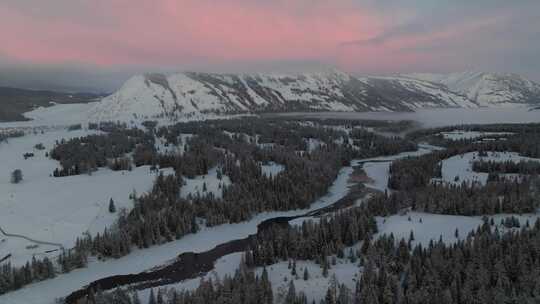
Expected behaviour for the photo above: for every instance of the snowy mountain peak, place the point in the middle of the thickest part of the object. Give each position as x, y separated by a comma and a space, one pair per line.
194, 94
488, 89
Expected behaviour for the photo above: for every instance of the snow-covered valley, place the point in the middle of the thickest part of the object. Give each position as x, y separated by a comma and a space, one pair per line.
59, 209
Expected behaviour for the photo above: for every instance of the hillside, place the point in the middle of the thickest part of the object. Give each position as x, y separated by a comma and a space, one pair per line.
191, 94
488, 89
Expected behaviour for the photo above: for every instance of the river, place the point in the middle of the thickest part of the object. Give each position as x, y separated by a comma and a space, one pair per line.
189, 265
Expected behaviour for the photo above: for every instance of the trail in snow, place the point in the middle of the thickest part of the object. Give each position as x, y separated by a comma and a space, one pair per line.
2, 231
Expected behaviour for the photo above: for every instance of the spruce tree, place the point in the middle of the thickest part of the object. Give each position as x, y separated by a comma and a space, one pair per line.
112, 207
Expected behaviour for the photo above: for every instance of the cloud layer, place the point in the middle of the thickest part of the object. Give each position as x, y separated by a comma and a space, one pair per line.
240, 35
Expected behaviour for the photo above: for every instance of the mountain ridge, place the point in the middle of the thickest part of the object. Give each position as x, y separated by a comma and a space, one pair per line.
183, 94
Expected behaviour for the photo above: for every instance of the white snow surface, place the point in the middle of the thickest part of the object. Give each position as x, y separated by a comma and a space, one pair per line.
461, 134
196, 95
378, 173
461, 166
57, 209
451, 98
272, 169
195, 186
189, 95
427, 227
487, 89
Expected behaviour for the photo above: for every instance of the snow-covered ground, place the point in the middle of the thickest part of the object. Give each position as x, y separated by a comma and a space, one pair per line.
378, 174
54, 209
460, 134
163, 147
57, 115
272, 169
486, 89
427, 226
460, 166
280, 276
313, 144
45, 292
196, 186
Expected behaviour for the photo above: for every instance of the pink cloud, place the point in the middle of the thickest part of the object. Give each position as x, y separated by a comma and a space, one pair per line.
176, 32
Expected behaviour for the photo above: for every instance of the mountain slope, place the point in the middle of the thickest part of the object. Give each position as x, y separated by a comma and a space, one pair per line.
192, 94
488, 89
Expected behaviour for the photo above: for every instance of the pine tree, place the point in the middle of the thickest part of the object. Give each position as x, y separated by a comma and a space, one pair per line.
325, 268
16, 176
112, 207
152, 297
291, 294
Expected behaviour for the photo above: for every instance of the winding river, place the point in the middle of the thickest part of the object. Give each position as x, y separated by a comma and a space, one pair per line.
189, 265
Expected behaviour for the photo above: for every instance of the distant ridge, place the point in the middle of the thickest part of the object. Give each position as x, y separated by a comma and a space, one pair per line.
190, 93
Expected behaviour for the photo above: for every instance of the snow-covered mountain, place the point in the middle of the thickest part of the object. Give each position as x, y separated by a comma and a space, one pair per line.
199, 94
488, 89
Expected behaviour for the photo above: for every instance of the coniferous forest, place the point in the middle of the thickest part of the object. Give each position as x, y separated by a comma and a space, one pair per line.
495, 263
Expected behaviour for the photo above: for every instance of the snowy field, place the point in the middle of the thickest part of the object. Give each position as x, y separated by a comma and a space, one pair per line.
378, 174
204, 184
427, 226
460, 166
57, 209
460, 134
57, 115
272, 169
139, 260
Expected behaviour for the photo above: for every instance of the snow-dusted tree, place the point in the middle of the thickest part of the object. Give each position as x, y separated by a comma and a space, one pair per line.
112, 207
16, 176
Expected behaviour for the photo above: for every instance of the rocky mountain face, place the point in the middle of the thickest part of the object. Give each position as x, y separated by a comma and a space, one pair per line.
192, 94
489, 89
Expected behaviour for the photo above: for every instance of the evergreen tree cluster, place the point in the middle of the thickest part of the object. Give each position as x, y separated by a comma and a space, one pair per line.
486, 267
521, 138
13, 278
464, 199
507, 167
369, 143
244, 287
85, 154
313, 241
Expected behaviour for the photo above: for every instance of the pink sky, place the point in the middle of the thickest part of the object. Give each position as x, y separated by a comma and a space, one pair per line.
171, 32
356, 36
